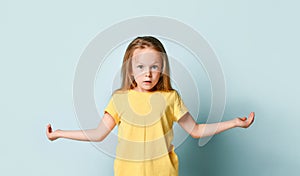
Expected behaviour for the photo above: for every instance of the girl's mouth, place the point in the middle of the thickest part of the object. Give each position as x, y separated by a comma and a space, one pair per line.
147, 82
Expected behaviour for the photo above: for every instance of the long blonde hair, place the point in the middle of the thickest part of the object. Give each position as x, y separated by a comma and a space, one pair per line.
128, 82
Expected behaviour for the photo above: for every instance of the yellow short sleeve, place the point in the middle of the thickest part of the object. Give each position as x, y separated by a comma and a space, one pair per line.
111, 109
179, 107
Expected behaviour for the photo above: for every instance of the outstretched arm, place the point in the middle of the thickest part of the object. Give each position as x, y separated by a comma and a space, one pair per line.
94, 135
204, 130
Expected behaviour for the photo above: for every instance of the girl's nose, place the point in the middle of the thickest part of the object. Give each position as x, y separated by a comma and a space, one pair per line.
148, 72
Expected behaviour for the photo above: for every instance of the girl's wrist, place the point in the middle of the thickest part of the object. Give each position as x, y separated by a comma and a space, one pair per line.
234, 122
58, 134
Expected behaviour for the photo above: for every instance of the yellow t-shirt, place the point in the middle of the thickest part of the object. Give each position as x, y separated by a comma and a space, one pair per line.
145, 134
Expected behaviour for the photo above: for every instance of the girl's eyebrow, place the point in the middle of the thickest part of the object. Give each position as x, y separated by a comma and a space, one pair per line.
138, 63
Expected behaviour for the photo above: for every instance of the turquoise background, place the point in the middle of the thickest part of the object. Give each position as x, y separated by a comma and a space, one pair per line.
257, 43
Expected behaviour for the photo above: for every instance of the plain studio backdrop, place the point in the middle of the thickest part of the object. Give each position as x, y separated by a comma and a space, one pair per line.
257, 43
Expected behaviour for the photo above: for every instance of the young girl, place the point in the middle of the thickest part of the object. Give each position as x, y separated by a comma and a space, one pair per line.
144, 109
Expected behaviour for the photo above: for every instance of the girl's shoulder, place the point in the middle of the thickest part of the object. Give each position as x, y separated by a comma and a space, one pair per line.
120, 91
170, 94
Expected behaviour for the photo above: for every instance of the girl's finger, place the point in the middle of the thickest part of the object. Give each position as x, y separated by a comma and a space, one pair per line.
251, 115
251, 118
243, 118
49, 129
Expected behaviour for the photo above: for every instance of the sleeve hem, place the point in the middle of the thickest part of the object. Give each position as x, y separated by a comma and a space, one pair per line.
116, 119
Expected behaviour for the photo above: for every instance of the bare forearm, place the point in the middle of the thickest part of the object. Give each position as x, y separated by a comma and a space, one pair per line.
205, 130
81, 135
94, 135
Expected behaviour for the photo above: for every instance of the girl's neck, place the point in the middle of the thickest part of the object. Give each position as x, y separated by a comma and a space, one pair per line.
137, 90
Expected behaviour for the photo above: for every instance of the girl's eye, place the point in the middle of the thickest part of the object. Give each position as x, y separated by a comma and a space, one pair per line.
140, 66
155, 67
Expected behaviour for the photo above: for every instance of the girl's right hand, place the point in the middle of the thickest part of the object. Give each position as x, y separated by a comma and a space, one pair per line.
50, 134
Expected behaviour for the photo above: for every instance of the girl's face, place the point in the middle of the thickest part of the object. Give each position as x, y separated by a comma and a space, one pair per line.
146, 68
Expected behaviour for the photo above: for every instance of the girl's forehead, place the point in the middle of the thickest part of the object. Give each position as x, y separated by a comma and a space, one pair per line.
146, 55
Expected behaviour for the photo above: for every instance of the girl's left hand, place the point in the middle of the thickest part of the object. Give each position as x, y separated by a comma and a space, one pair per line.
244, 122
52, 135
